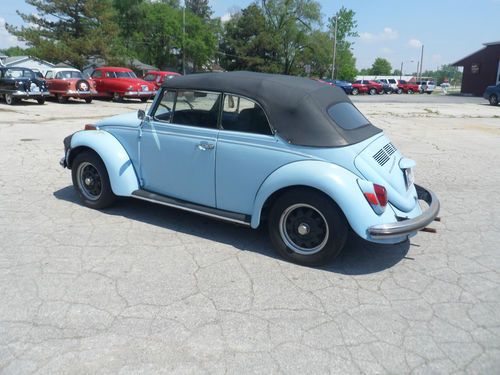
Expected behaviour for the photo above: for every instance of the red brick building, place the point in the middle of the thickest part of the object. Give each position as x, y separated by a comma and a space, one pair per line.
481, 69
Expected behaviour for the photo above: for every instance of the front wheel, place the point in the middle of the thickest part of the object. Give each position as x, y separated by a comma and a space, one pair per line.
410, 91
372, 91
91, 180
355, 92
117, 97
307, 227
144, 100
88, 100
493, 99
41, 101
399, 91
10, 100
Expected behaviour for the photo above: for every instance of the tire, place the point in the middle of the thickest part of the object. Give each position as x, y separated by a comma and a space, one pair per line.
117, 98
429, 92
62, 99
144, 100
91, 180
307, 227
88, 100
10, 100
493, 99
410, 91
372, 91
41, 101
399, 91
355, 91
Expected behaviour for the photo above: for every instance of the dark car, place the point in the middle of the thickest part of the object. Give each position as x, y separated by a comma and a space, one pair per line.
344, 85
21, 83
492, 94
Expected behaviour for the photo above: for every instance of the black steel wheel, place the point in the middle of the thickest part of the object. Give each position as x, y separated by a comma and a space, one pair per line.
307, 227
91, 180
493, 99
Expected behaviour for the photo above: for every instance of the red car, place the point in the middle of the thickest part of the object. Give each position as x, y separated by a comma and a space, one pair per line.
407, 87
363, 86
158, 77
120, 83
65, 83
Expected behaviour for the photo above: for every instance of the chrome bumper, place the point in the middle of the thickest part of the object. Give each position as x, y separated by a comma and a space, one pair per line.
29, 94
408, 226
139, 93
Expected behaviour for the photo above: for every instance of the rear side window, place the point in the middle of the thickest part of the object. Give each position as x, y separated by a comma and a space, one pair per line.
347, 116
244, 115
97, 74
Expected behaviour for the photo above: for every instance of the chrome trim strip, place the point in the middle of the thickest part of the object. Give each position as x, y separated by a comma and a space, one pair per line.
192, 210
406, 227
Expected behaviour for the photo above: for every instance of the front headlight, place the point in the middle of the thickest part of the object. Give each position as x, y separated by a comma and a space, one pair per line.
16, 84
130, 88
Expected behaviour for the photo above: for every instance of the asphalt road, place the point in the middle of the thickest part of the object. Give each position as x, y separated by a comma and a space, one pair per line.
140, 288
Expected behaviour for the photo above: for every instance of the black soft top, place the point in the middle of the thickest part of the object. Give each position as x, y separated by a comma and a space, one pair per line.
296, 107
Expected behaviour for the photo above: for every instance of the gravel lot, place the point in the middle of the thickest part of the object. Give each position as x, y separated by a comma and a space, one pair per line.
141, 288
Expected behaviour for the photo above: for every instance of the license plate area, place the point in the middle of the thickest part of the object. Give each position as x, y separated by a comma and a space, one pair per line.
409, 177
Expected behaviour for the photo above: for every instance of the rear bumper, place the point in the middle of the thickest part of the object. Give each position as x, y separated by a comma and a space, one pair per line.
403, 228
79, 94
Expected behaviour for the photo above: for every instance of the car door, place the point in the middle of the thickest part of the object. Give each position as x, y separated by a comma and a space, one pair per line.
178, 146
247, 153
97, 77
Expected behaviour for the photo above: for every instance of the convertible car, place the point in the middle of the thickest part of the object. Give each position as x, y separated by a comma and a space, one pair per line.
21, 83
254, 148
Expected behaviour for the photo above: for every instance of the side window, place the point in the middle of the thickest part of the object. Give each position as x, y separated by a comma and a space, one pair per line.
97, 74
149, 77
110, 74
49, 74
244, 115
197, 108
163, 111
59, 75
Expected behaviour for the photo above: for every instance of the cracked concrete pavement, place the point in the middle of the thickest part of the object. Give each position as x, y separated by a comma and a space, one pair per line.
140, 288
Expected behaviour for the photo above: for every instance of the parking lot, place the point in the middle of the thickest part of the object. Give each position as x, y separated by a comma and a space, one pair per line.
141, 288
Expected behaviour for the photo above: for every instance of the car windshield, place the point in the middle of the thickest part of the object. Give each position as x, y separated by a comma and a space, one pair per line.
125, 75
69, 74
18, 73
347, 116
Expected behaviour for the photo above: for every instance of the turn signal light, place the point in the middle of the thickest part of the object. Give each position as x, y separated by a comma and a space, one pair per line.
90, 127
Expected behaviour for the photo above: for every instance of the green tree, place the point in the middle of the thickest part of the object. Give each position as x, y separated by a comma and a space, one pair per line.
70, 30
381, 67
200, 7
346, 24
16, 51
290, 22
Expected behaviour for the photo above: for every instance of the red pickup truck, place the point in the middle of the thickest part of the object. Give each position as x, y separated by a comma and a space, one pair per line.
363, 86
119, 83
406, 87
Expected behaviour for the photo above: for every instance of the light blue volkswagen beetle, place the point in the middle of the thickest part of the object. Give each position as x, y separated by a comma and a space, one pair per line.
247, 147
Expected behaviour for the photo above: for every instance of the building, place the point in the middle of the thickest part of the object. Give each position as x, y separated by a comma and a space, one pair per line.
397, 77
30, 62
481, 69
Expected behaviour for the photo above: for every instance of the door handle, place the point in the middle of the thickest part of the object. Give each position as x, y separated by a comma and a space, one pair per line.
205, 146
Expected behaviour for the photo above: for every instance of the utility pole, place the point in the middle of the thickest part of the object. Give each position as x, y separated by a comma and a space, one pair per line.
421, 60
335, 45
184, 39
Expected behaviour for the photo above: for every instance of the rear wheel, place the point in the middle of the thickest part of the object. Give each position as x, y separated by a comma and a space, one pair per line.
372, 91
410, 91
41, 101
399, 91
493, 99
61, 98
355, 91
91, 180
307, 227
88, 100
144, 100
10, 100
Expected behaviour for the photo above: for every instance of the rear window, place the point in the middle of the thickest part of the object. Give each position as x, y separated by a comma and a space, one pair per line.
347, 116
392, 81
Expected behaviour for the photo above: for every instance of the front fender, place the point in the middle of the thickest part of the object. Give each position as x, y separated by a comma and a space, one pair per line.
122, 176
337, 182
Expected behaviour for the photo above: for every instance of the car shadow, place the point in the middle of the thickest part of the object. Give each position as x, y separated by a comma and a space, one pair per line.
359, 257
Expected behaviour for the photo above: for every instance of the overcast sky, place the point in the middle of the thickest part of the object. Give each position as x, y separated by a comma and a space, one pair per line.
394, 29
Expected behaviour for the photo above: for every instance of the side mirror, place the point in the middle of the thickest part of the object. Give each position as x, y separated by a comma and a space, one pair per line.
141, 114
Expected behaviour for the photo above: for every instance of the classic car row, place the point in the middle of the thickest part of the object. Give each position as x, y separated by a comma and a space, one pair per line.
382, 86
254, 148
64, 83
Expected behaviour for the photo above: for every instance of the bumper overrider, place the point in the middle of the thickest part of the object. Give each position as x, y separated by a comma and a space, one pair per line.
408, 226
30, 94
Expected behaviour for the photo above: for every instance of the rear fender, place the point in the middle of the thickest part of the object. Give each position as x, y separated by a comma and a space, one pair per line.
335, 181
122, 175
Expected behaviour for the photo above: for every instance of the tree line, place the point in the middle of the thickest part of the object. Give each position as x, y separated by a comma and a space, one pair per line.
274, 36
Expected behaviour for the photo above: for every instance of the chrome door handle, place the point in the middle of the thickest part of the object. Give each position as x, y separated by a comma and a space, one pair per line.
204, 146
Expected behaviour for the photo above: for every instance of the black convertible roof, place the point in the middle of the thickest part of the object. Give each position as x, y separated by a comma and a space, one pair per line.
296, 107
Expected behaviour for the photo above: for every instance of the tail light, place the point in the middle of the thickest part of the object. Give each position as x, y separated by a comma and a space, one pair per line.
375, 194
90, 127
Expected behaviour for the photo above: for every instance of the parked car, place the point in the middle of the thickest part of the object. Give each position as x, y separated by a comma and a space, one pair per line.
65, 83
426, 87
366, 86
158, 77
391, 82
406, 87
21, 83
120, 83
387, 88
253, 146
492, 94
344, 85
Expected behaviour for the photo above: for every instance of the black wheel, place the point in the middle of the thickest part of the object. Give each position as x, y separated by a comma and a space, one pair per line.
307, 227
117, 98
372, 91
10, 100
493, 99
144, 100
91, 181
88, 100
355, 91
410, 91
41, 101
61, 98
429, 92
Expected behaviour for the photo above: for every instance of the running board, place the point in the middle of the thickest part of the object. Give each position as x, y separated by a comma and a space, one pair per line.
192, 207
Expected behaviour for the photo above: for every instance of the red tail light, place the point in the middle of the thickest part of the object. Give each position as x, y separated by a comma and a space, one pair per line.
381, 193
376, 195
90, 127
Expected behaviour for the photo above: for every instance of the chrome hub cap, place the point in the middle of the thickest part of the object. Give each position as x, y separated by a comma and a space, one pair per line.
304, 229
